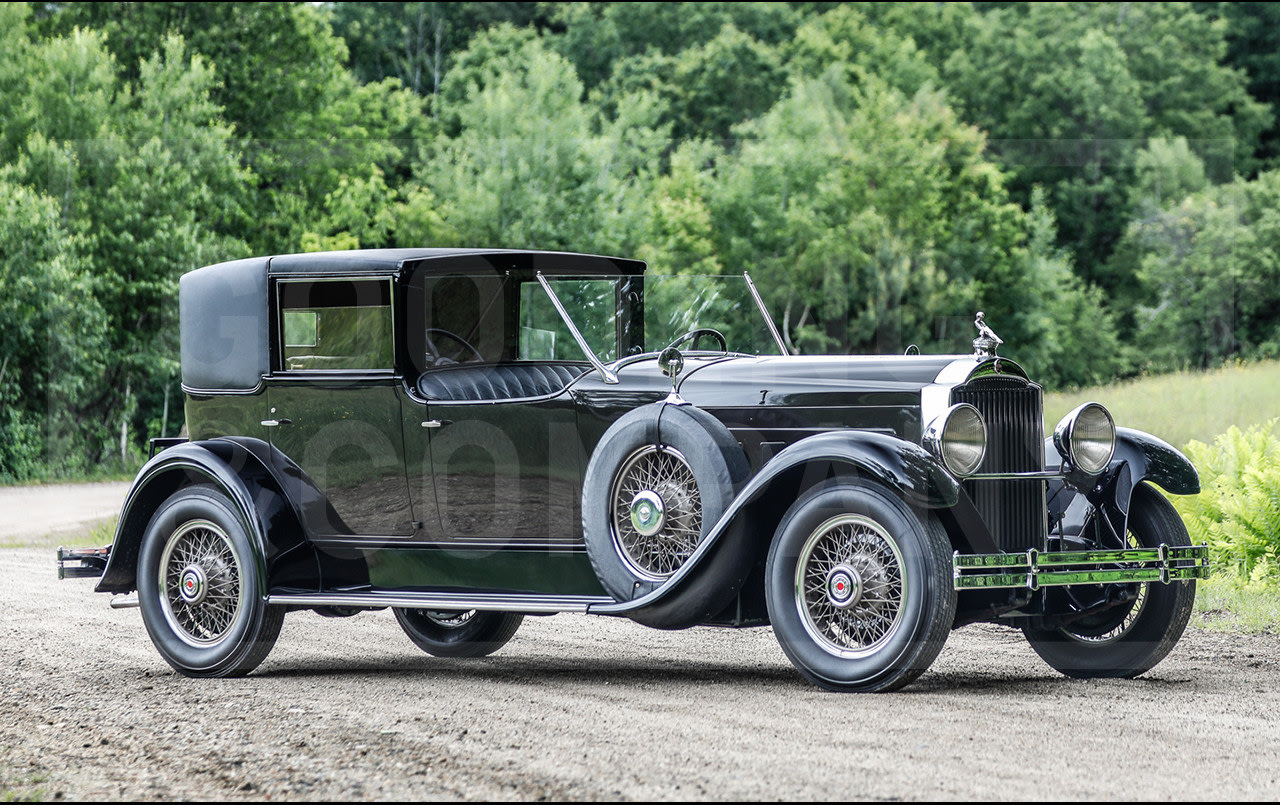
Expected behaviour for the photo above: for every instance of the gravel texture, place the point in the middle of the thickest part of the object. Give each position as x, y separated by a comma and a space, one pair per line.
579, 707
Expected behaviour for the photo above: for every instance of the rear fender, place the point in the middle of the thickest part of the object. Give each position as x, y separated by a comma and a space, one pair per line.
900, 465
241, 469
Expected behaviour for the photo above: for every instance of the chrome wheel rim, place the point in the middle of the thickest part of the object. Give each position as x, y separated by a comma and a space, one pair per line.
200, 589
448, 619
656, 517
850, 586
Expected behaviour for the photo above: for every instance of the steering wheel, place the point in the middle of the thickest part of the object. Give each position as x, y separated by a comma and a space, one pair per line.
696, 335
437, 358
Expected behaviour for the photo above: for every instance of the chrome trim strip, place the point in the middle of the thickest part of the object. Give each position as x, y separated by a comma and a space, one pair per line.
773, 328
490, 602
609, 376
1046, 475
195, 392
935, 398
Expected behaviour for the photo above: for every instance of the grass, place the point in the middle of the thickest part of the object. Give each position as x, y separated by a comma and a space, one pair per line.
1183, 406
1227, 605
19, 787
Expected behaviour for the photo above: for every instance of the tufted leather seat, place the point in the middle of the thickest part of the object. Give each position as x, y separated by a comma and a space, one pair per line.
499, 381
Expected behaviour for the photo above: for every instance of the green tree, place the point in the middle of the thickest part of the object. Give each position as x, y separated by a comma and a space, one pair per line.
1209, 264
870, 216
147, 181
531, 166
416, 42
1070, 92
302, 119
51, 337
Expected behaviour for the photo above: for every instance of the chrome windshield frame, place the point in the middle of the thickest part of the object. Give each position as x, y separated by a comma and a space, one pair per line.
773, 328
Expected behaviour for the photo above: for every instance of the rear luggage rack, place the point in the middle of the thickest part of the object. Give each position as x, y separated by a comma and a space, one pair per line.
89, 563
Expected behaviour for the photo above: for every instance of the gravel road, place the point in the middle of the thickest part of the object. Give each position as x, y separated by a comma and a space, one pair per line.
577, 707
31, 514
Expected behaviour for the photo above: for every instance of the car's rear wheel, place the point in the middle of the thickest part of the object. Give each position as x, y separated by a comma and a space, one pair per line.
858, 588
453, 633
199, 587
1126, 640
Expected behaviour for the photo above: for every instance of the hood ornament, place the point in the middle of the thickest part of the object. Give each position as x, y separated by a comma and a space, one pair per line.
987, 342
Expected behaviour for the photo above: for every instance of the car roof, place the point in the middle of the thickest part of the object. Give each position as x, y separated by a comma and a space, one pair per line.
224, 320
363, 261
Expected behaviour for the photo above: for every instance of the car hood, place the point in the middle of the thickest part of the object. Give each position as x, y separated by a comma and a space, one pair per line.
820, 380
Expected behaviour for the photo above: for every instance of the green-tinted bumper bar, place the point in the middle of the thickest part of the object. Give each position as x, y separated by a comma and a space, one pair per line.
1034, 570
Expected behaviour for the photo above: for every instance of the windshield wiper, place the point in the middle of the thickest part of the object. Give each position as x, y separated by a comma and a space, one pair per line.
609, 376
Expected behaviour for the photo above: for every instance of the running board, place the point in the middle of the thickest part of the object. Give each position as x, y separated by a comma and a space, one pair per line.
492, 602
1033, 569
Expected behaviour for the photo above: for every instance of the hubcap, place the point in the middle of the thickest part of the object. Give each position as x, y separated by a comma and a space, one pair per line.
656, 512
850, 586
844, 586
647, 512
192, 585
200, 589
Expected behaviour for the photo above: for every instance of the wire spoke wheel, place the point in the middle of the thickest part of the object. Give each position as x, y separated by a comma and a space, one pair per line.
1098, 639
200, 582
656, 512
850, 586
1113, 624
458, 633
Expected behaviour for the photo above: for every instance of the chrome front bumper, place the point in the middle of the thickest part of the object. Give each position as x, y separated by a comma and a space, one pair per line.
1033, 569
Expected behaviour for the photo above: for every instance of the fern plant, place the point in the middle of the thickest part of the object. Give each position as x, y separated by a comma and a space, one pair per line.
1238, 509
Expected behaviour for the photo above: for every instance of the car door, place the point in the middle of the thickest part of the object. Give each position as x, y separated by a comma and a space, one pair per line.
335, 407
491, 438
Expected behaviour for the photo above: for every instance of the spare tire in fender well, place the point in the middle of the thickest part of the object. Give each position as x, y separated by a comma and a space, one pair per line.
690, 443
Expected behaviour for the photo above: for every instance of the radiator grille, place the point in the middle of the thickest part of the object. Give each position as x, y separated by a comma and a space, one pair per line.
1013, 510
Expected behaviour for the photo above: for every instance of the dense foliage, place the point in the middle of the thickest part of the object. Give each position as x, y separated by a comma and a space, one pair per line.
1238, 510
1098, 178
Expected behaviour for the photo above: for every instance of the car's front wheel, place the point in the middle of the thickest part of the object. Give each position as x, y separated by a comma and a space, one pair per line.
449, 633
199, 587
1129, 639
858, 588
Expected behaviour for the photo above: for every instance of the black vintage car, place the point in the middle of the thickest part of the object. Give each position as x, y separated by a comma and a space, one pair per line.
470, 436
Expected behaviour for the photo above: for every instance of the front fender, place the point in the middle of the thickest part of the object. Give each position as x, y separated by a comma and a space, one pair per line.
1138, 457
240, 469
1155, 460
903, 466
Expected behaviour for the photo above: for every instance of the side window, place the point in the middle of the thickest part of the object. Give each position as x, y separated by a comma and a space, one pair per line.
335, 325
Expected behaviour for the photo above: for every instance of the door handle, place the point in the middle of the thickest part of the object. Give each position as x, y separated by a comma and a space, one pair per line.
272, 423
437, 423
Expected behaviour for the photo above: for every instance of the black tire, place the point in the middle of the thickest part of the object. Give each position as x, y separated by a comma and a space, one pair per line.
1129, 640
200, 588
688, 462
458, 634
858, 588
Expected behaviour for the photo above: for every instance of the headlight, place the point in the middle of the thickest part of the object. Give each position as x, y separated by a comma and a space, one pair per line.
1086, 438
958, 438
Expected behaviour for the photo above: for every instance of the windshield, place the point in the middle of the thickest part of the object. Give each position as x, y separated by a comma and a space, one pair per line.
622, 316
